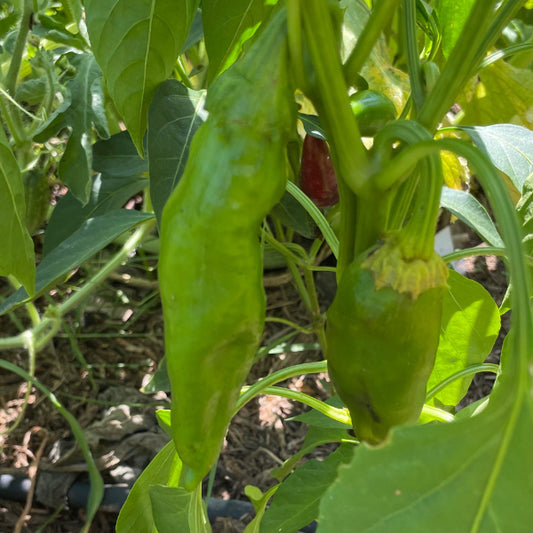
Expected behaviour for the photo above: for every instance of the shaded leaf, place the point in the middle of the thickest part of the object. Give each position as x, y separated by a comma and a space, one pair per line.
465, 207
174, 116
469, 328
136, 513
108, 194
175, 509
17, 256
90, 238
118, 157
295, 503
82, 107
136, 43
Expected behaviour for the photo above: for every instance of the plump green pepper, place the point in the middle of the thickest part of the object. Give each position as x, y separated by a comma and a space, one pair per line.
373, 110
382, 336
210, 267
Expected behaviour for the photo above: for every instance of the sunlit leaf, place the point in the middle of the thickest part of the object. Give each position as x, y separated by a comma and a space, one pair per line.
470, 325
378, 71
227, 26
500, 93
452, 17
136, 513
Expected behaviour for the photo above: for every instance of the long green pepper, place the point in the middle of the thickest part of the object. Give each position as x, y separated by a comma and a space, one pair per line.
210, 268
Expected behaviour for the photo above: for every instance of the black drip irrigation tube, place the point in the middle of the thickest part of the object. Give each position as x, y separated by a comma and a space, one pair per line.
16, 487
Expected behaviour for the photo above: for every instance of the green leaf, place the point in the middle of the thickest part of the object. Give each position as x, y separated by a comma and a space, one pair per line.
499, 93
259, 501
452, 17
136, 43
118, 157
136, 513
227, 26
470, 326
465, 207
295, 503
89, 239
174, 116
175, 509
108, 194
293, 215
509, 148
17, 257
82, 107
472, 475
378, 71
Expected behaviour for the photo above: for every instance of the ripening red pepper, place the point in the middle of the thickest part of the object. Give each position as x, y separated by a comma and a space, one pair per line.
317, 176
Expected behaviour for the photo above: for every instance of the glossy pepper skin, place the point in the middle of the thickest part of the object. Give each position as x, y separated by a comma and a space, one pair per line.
210, 267
382, 336
373, 111
317, 175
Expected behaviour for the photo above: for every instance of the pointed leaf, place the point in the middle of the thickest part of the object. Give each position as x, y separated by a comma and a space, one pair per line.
80, 110
136, 513
227, 26
90, 238
295, 503
108, 194
17, 255
509, 147
470, 326
465, 207
136, 43
175, 115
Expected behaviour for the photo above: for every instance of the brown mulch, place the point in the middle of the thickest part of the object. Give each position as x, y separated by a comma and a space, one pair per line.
118, 345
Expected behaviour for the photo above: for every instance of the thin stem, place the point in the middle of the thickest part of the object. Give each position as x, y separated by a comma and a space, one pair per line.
330, 96
316, 215
113, 264
472, 252
318, 320
10, 81
465, 372
411, 47
97, 484
340, 415
380, 17
435, 412
277, 377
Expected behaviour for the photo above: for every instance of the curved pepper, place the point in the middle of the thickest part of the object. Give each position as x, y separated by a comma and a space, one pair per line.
210, 266
382, 336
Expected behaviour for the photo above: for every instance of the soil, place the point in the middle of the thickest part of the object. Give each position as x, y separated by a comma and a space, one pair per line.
106, 352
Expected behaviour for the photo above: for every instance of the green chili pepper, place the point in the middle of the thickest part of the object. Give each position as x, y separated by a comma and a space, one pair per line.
210, 267
373, 110
382, 336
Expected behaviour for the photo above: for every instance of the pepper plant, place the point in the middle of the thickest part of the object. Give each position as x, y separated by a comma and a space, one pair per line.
249, 126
